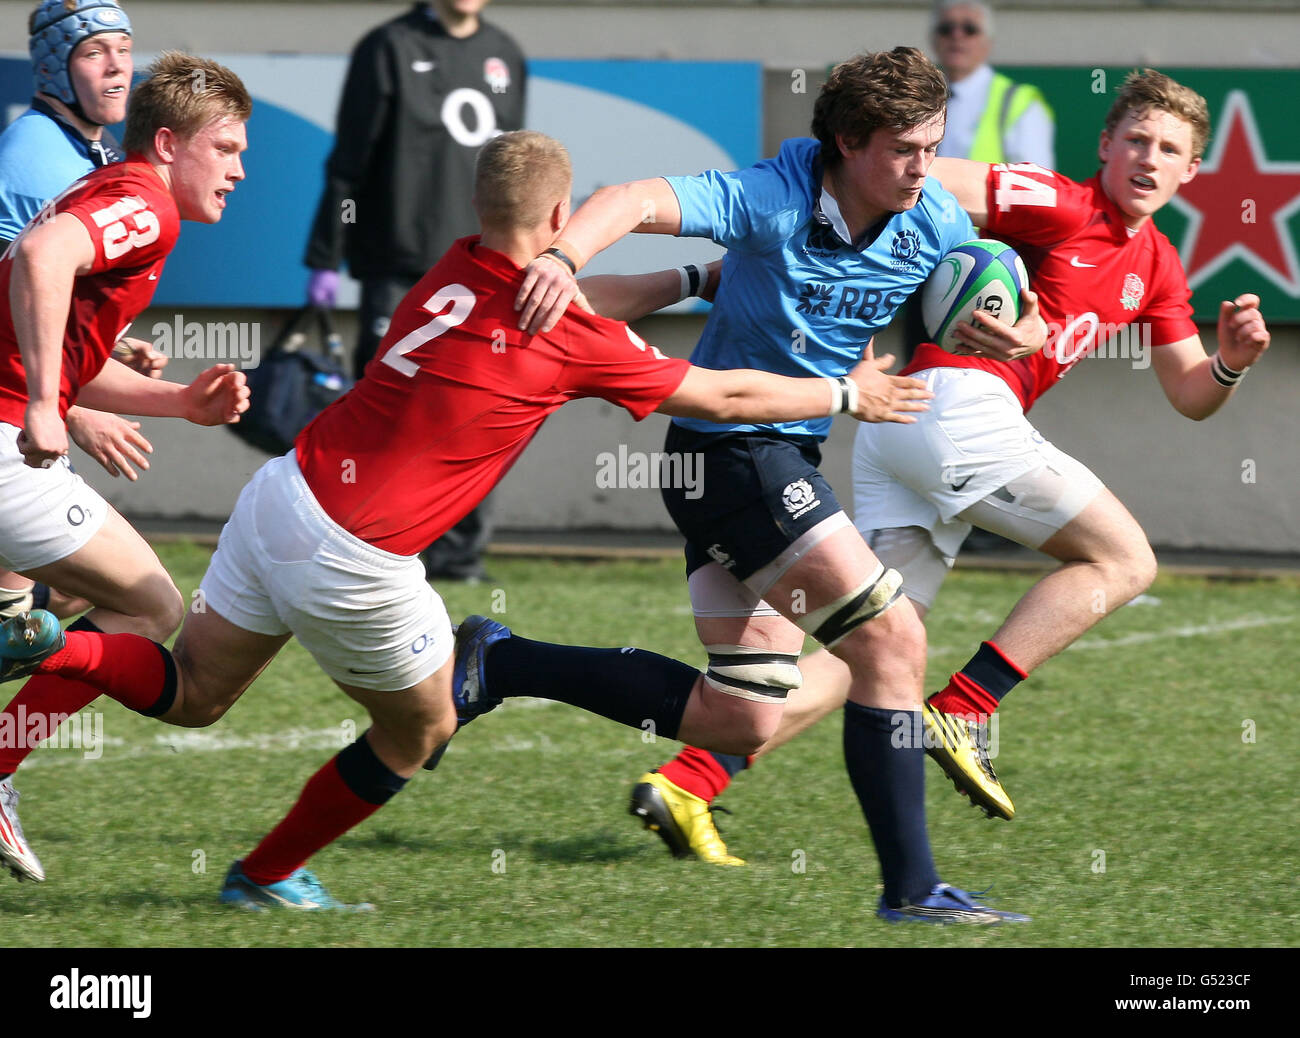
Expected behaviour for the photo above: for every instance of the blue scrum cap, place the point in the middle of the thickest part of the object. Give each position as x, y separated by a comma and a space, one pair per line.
56, 27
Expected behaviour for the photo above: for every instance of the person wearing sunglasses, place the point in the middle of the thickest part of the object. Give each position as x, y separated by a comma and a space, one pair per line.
990, 117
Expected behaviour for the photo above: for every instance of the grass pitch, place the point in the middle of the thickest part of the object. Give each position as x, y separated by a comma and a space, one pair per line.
1153, 768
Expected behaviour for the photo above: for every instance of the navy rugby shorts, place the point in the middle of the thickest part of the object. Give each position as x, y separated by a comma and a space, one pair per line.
760, 492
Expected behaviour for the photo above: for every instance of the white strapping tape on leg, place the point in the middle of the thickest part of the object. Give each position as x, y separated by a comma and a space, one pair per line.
837, 619
759, 675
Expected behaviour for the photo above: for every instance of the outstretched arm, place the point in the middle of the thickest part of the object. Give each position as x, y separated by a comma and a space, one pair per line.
216, 396
969, 182
1198, 385
625, 297
745, 395
646, 206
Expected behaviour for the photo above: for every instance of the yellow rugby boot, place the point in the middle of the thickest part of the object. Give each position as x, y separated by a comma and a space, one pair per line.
683, 820
961, 748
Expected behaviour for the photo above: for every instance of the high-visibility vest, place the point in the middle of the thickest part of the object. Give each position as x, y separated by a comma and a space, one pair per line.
1007, 102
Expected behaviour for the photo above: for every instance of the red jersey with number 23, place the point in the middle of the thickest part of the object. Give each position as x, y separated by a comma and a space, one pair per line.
132, 220
1098, 285
454, 394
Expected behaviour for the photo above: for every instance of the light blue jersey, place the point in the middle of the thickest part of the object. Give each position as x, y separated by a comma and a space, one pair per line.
795, 297
39, 157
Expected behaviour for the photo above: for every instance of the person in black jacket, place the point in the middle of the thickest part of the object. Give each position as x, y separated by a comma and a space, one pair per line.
423, 93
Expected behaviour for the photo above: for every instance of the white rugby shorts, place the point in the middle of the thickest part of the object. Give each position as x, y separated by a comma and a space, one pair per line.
45, 514
972, 455
368, 617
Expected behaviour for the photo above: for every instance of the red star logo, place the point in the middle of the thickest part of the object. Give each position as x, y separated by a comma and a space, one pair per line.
1238, 205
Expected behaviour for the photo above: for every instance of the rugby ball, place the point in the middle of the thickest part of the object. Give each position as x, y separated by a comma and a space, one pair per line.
977, 275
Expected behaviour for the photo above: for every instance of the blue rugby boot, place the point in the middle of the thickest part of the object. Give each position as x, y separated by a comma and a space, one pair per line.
473, 638
302, 891
26, 640
947, 904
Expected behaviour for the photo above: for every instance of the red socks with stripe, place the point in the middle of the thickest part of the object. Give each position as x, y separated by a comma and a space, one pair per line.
702, 772
978, 688
325, 810
343, 794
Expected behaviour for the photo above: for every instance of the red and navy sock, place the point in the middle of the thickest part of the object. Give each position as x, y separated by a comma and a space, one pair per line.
343, 794
888, 776
630, 686
703, 772
978, 687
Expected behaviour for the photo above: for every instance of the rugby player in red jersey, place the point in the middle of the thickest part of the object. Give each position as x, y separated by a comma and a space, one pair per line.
1099, 266
70, 284
323, 543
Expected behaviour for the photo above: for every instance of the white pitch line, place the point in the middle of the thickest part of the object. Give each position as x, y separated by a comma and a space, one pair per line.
1197, 631
1143, 637
181, 740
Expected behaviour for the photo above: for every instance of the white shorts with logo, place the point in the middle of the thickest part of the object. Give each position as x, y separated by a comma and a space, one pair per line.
45, 514
972, 456
368, 617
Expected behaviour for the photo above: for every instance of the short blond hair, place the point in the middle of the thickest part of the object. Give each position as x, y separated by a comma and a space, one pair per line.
1148, 89
519, 179
183, 93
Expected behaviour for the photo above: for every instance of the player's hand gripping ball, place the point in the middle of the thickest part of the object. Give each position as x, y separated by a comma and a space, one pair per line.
977, 275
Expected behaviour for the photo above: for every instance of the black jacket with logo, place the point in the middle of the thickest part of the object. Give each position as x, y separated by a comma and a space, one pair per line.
416, 107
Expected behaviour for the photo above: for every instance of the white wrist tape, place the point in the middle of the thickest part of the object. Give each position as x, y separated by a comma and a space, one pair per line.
1224, 375
694, 278
850, 394
844, 395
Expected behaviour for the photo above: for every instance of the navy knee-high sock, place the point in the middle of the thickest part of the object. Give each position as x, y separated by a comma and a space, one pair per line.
630, 686
888, 775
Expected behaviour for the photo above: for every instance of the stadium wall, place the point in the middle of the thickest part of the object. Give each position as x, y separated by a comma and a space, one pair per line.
1226, 483
779, 34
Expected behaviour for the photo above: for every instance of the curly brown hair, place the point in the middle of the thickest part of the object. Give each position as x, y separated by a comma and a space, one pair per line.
1147, 89
895, 89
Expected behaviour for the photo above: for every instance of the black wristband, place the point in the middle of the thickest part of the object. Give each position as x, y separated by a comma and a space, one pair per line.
1224, 375
693, 277
559, 255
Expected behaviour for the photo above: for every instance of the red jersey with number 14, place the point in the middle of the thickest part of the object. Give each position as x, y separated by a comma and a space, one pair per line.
1099, 287
133, 222
454, 394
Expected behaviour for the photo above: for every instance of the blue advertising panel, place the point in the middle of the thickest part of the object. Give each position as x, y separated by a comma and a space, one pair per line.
621, 120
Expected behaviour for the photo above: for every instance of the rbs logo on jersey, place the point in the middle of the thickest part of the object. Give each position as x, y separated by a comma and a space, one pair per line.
839, 302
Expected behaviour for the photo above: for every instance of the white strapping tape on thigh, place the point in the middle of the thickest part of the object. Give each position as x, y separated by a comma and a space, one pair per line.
758, 675
715, 592
761, 581
837, 619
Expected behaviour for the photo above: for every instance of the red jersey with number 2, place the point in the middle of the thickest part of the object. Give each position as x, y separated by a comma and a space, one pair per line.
133, 222
454, 394
1099, 287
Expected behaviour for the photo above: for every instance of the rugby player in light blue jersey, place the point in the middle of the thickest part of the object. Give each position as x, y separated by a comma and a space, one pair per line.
824, 243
